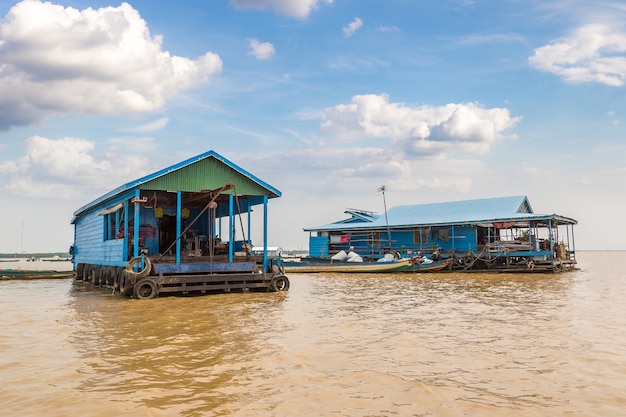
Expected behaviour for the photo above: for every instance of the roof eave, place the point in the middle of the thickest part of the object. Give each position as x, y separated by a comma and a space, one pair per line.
374, 225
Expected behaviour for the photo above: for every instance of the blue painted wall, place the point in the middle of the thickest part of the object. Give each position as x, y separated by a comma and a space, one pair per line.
90, 246
373, 243
318, 246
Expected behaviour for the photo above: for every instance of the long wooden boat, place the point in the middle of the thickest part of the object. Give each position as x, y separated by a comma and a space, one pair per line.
10, 274
312, 266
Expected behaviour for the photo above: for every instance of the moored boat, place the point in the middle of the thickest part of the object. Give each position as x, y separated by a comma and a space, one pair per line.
10, 274
328, 265
432, 266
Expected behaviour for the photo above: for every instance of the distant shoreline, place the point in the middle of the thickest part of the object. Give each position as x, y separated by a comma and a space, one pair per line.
35, 255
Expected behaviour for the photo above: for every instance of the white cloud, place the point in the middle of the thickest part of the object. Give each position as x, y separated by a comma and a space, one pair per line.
294, 8
346, 172
261, 50
357, 63
153, 126
426, 130
67, 168
384, 28
593, 53
55, 60
352, 27
491, 38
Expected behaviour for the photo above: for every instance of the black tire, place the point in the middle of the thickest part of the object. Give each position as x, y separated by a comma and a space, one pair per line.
79, 272
111, 276
279, 283
117, 280
104, 273
114, 277
145, 289
87, 273
101, 279
126, 284
95, 275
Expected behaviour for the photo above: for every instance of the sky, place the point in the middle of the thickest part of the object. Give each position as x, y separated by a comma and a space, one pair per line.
325, 100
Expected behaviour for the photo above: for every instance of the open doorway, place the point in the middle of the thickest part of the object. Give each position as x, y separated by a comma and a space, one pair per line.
167, 232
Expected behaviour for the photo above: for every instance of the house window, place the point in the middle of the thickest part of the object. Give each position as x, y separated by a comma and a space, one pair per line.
420, 236
113, 218
110, 225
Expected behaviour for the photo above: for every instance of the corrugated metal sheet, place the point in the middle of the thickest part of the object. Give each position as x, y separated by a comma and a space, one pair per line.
202, 172
206, 174
456, 212
459, 211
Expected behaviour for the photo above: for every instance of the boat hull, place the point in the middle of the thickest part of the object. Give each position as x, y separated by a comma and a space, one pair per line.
348, 267
431, 267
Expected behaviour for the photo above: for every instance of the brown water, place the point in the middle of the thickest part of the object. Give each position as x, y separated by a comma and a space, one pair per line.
342, 345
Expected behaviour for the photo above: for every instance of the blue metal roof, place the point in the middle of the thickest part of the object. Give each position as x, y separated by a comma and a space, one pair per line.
359, 216
457, 212
273, 192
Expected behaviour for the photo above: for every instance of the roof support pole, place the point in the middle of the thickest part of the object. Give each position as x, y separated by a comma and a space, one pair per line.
136, 227
179, 222
551, 237
265, 198
453, 239
231, 235
116, 230
125, 242
249, 222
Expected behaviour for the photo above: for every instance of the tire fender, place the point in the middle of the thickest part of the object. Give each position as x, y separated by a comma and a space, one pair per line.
279, 283
141, 274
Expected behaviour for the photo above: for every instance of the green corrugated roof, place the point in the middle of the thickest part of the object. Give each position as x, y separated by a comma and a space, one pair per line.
205, 174
207, 171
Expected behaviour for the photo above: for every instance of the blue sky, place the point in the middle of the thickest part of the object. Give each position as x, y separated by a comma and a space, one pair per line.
326, 100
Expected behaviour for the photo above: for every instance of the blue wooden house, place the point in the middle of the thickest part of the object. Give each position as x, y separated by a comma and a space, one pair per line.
183, 229
485, 234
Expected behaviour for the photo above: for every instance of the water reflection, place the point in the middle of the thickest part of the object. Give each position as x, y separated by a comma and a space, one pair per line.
482, 334
171, 352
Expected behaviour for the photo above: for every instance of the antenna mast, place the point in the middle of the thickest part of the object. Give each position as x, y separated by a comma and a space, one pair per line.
383, 188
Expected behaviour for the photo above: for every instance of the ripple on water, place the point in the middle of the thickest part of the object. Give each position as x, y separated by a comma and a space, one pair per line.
353, 345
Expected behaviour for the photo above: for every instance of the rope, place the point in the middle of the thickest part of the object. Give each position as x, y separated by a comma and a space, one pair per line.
239, 213
487, 260
226, 186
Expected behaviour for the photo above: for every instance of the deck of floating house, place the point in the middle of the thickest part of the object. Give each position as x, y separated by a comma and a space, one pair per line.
494, 234
174, 231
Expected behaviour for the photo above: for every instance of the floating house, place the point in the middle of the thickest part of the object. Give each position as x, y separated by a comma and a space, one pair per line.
497, 234
174, 231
